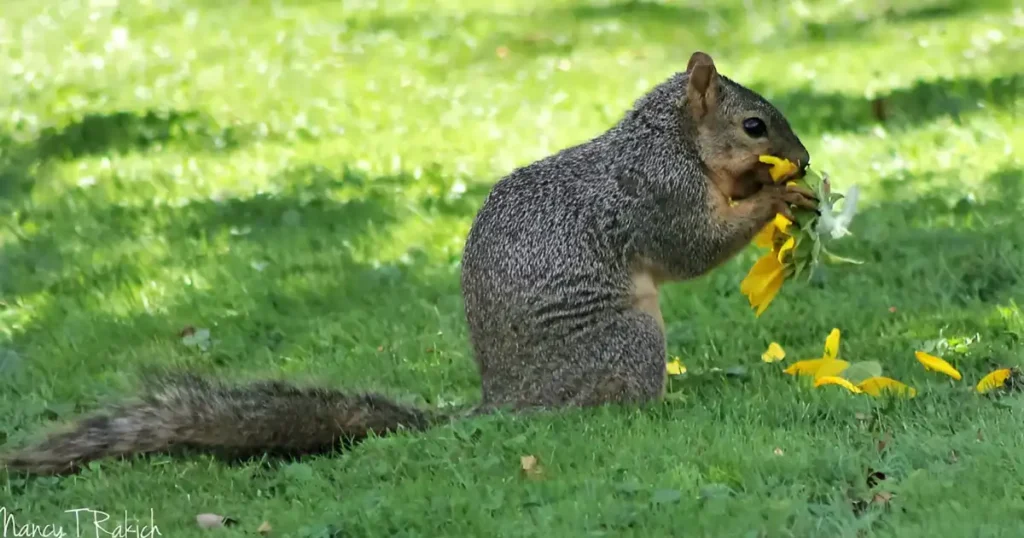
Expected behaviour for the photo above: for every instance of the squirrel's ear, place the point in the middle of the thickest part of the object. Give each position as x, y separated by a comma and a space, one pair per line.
699, 58
701, 90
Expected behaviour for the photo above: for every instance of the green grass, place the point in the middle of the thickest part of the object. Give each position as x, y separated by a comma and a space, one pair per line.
298, 177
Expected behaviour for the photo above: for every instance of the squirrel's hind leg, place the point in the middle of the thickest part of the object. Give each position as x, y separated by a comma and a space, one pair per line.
626, 362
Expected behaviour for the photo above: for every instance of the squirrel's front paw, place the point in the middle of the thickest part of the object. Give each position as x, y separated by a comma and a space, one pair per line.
781, 197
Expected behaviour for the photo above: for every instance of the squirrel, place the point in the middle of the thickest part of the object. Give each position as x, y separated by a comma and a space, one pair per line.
560, 277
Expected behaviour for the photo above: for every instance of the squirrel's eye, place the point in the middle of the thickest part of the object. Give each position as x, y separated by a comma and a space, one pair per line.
755, 127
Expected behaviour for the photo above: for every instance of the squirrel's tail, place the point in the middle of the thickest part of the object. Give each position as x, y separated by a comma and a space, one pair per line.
183, 411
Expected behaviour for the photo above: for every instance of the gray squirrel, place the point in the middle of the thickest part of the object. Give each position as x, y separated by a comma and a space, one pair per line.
560, 277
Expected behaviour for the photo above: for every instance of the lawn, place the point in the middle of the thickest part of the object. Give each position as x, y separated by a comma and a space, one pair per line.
298, 177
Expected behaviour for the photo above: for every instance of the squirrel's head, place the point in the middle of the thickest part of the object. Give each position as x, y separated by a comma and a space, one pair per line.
734, 126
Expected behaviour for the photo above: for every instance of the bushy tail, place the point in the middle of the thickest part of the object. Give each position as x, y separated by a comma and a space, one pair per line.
182, 411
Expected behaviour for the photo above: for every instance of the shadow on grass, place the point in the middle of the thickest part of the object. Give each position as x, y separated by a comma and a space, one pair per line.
99, 248
812, 111
268, 270
22, 164
851, 28
269, 274
560, 31
553, 31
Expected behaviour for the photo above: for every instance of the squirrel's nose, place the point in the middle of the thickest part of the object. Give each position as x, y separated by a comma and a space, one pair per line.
803, 162
801, 169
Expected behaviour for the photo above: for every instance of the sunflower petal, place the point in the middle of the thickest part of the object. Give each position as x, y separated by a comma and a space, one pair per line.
931, 362
832, 344
876, 385
806, 367
765, 238
675, 367
786, 247
767, 293
781, 223
774, 353
762, 283
759, 272
831, 367
812, 367
994, 379
833, 380
780, 167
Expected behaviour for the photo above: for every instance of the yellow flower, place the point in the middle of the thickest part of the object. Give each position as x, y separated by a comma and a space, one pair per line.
675, 367
774, 353
828, 365
876, 385
994, 380
833, 380
932, 362
763, 281
780, 167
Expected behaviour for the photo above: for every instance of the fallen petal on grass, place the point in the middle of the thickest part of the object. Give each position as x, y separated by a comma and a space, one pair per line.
833, 380
832, 345
815, 367
931, 362
875, 386
774, 353
993, 380
530, 466
831, 367
675, 367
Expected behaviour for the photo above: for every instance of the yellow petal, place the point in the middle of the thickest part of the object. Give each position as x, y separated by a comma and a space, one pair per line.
932, 362
830, 367
832, 344
774, 353
811, 367
762, 269
781, 223
763, 297
994, 379
876, 385
786, 247
833, 380
766, 237
675, 367
780, 167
